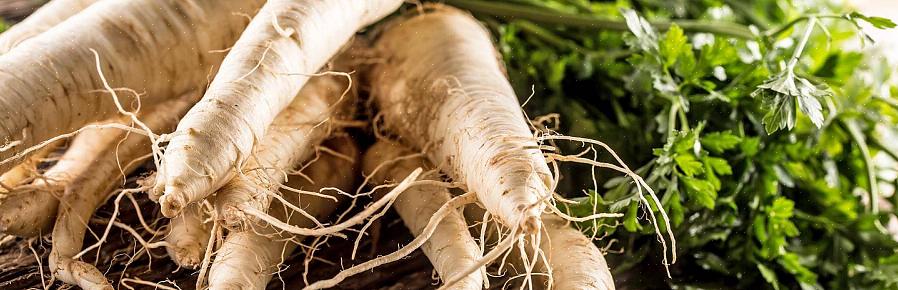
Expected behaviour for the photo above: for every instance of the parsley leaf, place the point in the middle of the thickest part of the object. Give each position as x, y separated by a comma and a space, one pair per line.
878, 22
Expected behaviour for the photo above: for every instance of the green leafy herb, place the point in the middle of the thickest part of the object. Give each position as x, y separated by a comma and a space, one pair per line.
765, 152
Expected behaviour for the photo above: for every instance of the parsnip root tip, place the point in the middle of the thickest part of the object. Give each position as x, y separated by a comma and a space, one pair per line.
189, 257
171, 205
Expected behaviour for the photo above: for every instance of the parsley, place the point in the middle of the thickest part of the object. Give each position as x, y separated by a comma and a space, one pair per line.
759, 135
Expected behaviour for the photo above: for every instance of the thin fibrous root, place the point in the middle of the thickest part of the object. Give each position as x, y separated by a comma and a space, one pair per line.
26, 171
290, 139
247, 260
444, 91
121, 154
31, 209
519, 263
451, 247
284, 44
389, 197
451, 206
642, 189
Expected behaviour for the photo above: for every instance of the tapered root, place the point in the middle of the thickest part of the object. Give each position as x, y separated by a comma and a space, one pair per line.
122, 152
443, 90
247, 260
575, 260
290, 139
87, 276
29, 213
188, 237
31, 209
285, 43
41, 102
451, 247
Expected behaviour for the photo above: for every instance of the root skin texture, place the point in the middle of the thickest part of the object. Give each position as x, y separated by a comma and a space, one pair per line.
576, 262
442, 87
31, 209
512, 263
50, 14
160, 48
290, 139
188, 237
285, 43
27, 170
247, 260
451, 248
87, 191
31, 213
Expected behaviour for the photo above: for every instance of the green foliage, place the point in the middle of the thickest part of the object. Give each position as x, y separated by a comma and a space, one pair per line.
762, 154
878, 22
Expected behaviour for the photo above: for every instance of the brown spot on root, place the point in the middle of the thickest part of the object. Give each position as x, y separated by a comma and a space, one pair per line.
171, 205
530, 225
234, 219
187, 257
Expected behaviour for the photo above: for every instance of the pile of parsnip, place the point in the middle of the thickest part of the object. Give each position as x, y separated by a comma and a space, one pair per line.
246, 107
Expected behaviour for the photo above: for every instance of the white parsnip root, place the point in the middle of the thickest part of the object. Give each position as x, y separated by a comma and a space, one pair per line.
247, 260
160, 48
122, 152
286, 42
44, 18
30, 209
247, 108
575, 260
524, 263
188, 236
571, 258
451, 248
291, 138
26, 171
442, 88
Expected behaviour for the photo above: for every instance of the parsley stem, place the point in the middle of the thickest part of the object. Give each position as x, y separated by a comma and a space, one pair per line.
804, 41
858, 138
785, 27
548, 36
672, 119
511, 11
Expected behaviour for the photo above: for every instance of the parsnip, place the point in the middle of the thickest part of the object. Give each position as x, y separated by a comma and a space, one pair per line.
248, 259
266, 68
188, 237
442, 85
292, 137
121, 153
574, 261
50, 14
160, 48
31, 209
451, 248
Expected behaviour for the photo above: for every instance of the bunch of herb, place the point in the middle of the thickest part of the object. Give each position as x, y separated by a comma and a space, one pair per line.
771, 147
